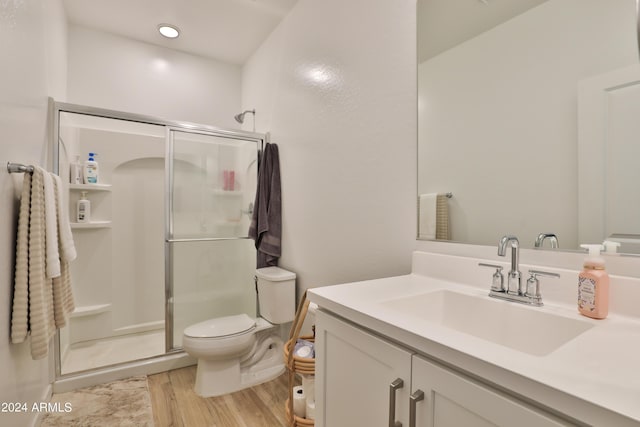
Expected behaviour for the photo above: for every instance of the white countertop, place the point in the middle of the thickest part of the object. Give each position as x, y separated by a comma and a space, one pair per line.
594, 377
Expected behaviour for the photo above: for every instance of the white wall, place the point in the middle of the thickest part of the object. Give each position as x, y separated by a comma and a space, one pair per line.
33, 48
498, 118
335, 84
116, 73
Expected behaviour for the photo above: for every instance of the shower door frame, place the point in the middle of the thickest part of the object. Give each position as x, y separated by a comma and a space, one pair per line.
169, 235
55, 109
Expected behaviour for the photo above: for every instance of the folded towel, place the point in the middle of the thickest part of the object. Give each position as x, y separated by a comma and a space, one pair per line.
433, 217
51, 226
266, 223
20, 312
63, 303
41, 318
67, 247
442, 218
40, 303
427, 218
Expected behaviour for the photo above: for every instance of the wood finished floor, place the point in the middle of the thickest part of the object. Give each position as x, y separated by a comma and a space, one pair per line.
176, 404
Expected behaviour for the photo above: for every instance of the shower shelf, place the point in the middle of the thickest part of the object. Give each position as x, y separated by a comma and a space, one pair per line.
92, 224
227, 192
90, 187
90, 310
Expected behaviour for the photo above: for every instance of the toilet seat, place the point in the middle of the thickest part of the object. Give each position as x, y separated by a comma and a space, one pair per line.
221, 327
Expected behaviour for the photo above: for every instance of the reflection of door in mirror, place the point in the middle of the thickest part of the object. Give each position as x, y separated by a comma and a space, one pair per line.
498, 111
609, 107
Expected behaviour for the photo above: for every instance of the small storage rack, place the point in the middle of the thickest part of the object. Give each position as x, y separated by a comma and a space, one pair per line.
297, 365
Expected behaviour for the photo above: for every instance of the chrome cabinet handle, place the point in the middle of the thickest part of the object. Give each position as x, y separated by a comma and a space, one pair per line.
416, 397
393, 387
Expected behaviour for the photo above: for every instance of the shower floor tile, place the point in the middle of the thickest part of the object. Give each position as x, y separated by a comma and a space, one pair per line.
105, 352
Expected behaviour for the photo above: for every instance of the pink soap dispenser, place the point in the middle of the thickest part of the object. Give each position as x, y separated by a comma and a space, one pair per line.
593, 285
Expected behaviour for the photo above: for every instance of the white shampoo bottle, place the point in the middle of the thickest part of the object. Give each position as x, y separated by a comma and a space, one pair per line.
91, 170
83, 211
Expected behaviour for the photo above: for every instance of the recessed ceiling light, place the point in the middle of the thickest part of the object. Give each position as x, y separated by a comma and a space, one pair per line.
169, 31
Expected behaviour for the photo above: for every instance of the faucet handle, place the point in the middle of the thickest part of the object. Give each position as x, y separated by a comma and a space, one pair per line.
533, 284
498, 279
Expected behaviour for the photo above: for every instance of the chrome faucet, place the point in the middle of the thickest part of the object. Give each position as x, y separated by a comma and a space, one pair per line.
553, 239
514, 280
514, 290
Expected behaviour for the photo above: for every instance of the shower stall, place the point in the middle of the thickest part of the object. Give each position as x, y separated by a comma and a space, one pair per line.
166, 243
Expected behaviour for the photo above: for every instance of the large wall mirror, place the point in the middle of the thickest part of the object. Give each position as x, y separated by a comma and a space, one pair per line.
500, 118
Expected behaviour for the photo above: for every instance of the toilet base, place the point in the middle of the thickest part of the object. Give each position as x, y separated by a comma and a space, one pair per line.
218, 377
214, 378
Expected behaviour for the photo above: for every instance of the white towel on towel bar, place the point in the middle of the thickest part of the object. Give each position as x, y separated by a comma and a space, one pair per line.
428, 216
67, 247
31, 305
40, 303
51, 226
433, 217
63, 303
20, 314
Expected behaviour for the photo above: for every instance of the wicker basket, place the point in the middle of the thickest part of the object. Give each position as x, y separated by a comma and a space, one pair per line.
296, 421
300, 365
295, 364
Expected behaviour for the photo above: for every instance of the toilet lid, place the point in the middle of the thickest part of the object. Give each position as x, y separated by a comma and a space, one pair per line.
221, 327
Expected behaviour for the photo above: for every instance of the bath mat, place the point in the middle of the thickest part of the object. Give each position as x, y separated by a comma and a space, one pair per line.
119, 403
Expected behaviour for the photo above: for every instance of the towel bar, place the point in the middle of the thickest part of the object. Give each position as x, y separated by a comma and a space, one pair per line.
18, 168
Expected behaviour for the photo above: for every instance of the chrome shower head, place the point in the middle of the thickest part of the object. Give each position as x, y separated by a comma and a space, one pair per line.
240, 117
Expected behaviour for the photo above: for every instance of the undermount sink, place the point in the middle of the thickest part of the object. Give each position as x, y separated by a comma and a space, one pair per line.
526, 329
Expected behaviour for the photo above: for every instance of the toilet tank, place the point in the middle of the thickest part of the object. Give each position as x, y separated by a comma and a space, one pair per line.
276, 294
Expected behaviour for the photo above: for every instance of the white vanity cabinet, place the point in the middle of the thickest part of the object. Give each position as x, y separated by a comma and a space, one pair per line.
355, 370
450, 399
354, 373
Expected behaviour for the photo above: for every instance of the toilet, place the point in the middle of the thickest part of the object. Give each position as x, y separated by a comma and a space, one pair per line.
236, 352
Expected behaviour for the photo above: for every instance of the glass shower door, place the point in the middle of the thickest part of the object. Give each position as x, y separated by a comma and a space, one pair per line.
212, 185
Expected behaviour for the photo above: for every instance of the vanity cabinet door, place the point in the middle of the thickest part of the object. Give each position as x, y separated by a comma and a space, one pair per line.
354, 371
452, 400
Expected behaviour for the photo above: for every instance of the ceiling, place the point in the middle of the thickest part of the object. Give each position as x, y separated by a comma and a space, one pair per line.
231, 30
226, 30
443, 24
